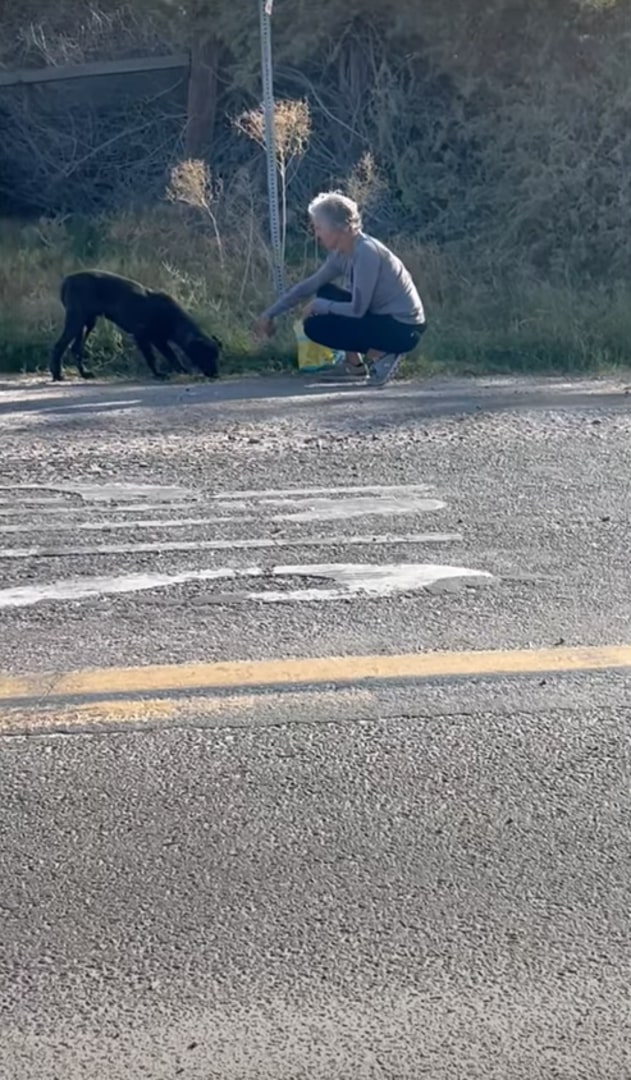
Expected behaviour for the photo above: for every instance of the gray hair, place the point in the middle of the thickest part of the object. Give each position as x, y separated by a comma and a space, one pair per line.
336, 211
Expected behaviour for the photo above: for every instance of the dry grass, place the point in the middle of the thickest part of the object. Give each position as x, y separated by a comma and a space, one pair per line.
479, 322
164, 249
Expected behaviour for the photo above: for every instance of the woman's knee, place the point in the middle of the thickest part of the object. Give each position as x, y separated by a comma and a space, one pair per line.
315, 329
331, 331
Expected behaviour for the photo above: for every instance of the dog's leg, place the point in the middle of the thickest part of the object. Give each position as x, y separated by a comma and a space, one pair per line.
144, 346
170, 356
72, 327
77, 349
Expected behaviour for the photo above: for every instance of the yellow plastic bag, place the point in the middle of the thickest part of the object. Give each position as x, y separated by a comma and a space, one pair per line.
311, 356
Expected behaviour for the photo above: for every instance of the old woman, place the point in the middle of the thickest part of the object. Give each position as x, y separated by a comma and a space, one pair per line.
377, 318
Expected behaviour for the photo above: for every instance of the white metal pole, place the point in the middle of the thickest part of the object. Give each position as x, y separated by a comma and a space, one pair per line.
270, 143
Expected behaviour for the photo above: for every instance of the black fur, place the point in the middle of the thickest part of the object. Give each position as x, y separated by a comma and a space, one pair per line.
154, 320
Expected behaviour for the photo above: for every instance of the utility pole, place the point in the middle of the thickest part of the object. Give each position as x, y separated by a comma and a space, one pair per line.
267, 71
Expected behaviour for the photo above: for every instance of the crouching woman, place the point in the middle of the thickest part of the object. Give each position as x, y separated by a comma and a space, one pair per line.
377, 318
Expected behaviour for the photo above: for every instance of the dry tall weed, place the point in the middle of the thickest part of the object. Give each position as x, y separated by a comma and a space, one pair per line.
292, 130
366, 184
192, 184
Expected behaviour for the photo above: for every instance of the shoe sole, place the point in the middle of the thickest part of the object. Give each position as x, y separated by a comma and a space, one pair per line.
344, 376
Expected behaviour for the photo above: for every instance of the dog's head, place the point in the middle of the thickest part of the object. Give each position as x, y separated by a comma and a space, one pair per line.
203, 352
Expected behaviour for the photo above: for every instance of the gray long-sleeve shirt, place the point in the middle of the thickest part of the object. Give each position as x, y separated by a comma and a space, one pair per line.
380, 284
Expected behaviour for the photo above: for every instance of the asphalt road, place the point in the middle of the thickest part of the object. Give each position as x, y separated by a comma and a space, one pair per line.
368, 872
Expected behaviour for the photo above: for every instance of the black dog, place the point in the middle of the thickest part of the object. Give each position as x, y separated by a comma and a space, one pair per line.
153, 318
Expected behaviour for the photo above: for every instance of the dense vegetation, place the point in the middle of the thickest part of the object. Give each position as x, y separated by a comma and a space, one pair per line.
490, 141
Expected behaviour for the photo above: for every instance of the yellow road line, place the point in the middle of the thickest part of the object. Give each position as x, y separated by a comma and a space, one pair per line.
306, 671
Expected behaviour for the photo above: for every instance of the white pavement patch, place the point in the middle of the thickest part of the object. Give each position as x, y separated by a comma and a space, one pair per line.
305, 505
57, 507
359, 579
105, 491
123, 404
351, 580
126, 526
21, 503
322, 509
84, 588
111, 492
262, 543
299, 505
308, 493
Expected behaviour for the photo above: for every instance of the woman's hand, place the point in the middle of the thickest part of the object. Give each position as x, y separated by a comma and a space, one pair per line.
316, 306
264, 328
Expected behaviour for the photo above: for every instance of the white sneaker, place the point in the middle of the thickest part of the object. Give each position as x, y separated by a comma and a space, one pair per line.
384, 369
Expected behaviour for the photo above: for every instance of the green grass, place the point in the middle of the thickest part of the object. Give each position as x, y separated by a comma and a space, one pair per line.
484, 325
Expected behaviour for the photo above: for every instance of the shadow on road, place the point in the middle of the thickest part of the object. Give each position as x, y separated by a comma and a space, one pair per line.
350, 407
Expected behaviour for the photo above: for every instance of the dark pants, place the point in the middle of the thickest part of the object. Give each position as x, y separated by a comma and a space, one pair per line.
382, 333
